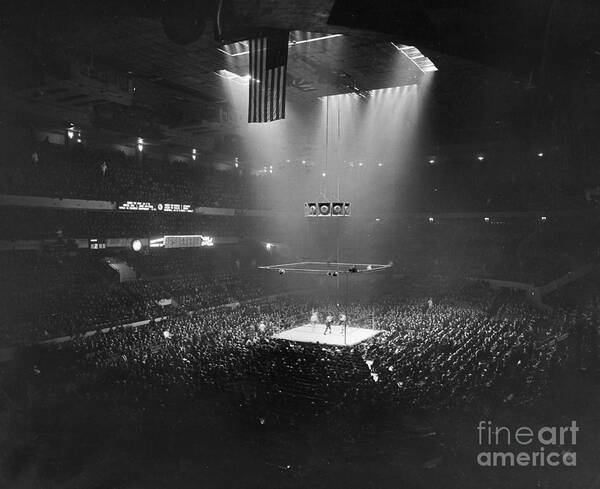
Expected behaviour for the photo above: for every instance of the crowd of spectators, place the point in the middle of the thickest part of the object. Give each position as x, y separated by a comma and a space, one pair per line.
79, 171
39, 223
523, 250
49, 295
456, 352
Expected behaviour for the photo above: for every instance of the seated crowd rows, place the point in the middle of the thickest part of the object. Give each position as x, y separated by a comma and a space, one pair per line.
50, 295
37, 223
87, 173
84, 172
522, 250
458, 352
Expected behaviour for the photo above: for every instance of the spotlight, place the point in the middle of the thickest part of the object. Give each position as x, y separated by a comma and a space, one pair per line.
486, 219
377, 219
480, 157
70, 133
324, 174
431, 219
540, 154
136, 245
380, 164
369, 267
281, 271
268, 246
544, 218
140, 144
432, 161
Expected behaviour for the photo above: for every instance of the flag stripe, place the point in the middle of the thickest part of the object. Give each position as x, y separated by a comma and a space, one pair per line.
251, 88
255, 76
271, 94
278, 106
259, 76
283, 92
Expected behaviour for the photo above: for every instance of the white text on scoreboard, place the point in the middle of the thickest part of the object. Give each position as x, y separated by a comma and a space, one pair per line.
133, 205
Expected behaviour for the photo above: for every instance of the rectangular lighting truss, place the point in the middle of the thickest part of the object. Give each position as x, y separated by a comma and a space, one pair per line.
416, 57
321, 267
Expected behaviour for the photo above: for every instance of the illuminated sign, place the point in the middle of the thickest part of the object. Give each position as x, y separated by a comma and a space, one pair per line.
96, 244
206, 241
157, 243
188, 241
133, 205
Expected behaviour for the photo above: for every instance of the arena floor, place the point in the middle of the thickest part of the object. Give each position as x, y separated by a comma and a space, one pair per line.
309, 333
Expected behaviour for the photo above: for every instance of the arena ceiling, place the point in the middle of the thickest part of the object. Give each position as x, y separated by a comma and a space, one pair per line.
148, 67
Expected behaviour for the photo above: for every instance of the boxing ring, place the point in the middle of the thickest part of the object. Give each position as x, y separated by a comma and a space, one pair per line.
339, 336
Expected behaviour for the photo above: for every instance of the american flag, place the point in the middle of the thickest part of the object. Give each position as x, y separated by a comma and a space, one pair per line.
268, 63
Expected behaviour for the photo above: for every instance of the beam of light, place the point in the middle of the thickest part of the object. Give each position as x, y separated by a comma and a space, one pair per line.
235, 49
416, 57
234, 77
241, 48
386, 128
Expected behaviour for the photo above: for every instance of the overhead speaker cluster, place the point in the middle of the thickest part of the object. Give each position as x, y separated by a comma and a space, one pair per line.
327, 209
